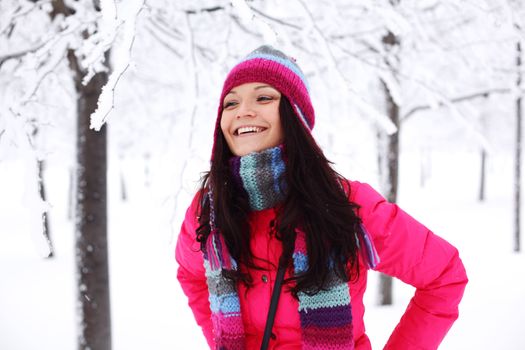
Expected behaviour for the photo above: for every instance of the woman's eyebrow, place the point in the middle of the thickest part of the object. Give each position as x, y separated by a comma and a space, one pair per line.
264, 86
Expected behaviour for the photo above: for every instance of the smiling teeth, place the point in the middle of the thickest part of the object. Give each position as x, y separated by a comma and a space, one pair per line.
246, 129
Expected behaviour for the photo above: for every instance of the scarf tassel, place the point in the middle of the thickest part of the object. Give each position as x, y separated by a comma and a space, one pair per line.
217, 252
367, 248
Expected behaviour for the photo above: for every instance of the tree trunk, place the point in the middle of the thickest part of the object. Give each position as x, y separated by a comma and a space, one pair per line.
482, 175
123, 191
91, 218
517, 177
123, 187
42, 190
40, 165
91, 250
389, 169
71, 195
389, 166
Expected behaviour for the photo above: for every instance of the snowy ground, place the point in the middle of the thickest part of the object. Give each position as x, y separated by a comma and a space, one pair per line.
37, 297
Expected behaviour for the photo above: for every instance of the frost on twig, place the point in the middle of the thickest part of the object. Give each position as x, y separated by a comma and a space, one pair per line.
248, 17
380, 118
124, 36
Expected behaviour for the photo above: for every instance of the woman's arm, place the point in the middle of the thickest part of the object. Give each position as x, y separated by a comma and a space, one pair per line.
412, 253
191, 273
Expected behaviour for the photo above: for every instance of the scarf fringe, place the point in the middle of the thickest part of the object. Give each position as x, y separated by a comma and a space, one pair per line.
217, 253
366, 248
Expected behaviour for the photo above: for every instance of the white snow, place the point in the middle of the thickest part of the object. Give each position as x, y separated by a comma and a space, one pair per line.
37, 297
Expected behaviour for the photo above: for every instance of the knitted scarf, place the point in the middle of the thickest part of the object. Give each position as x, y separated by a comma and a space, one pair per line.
261, 176
326, 317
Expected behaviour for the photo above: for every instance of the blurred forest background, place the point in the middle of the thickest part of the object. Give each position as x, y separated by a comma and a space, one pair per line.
107, 111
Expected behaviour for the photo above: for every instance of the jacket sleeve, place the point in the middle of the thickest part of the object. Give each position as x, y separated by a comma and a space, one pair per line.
191, 273
410, 252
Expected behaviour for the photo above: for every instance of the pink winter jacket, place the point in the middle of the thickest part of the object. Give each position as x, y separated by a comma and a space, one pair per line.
407, 249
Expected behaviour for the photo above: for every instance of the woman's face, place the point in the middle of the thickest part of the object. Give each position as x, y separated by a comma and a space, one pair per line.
250, 118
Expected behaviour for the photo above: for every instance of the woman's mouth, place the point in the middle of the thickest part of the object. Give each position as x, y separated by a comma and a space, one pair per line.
248, 130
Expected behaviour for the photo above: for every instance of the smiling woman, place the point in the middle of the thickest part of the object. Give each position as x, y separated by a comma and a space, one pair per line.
271, 209
250, 120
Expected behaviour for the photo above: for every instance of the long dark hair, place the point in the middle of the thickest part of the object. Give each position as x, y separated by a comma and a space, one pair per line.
316, 202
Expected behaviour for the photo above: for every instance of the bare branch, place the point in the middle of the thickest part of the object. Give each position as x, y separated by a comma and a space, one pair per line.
58, 8
333, 61
208, 9
51, 67
141, 77
160, 23
479, 4
21, 11
51, 42
432, 7
207, 53
277, 20
20, 53
164, 43
357, 34
11, 21
97, 119
474, 43
382, 120
442, 100
243, 27
482, 94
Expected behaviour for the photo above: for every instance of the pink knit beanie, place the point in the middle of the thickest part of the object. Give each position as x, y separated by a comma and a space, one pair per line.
268, 65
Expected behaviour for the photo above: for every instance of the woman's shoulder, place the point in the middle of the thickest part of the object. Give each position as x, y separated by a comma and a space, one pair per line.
358, 191
198, 200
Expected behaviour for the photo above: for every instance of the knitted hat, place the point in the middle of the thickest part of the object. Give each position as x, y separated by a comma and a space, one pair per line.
268, 65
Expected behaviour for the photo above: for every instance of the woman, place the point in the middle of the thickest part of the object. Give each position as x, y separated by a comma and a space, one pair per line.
270, 200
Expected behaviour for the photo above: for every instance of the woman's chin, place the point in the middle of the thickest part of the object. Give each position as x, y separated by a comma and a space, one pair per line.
243, 150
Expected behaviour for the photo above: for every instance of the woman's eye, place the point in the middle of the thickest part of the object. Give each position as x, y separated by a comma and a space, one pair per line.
264, 98
229, 104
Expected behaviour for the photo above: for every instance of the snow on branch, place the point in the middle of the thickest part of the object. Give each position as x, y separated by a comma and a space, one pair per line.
19, 53
393, 86
460, 117
394, 21
380, 118
482, 94
124, 24
277, 20
247, 16
163, 36
208, 9
50, 66
68, 28
9, 18
41, 60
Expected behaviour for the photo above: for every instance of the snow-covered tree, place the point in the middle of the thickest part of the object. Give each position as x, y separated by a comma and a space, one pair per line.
431, 70
48, 43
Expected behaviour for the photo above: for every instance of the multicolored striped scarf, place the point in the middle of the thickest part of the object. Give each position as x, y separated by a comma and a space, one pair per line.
261, 176
326, 317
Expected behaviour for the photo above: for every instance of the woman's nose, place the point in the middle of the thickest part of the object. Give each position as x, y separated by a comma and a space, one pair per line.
245, 110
